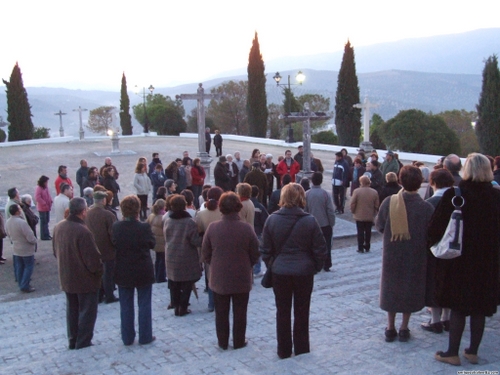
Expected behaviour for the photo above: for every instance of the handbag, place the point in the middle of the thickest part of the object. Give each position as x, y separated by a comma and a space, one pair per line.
450, 246
267, 279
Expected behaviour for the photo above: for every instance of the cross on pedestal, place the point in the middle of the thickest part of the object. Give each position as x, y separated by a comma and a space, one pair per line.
61, 129
80, 110
200, 97
365, 106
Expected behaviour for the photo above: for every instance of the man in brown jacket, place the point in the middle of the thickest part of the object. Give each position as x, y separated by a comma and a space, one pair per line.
364, 208
100, 222
80, 270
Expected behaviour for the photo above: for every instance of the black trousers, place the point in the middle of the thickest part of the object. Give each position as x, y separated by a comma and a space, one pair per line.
298, 289
218, 151
339, 197
364, 229
327, 233
81, 314
180, 291
222, 307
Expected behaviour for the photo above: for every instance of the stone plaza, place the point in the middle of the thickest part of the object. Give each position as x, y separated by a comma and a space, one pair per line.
346, 323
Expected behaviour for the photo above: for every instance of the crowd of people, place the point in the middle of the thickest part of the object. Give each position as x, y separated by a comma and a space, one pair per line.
282, 218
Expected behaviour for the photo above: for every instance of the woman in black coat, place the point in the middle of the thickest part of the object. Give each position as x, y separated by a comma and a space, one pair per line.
109, 182
469, 284
294, 238
134, 270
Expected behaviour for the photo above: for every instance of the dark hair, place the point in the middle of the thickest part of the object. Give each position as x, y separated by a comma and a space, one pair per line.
130, 206
77, 205
12, 192
229, 203
139, 167
317, 178
155, 154
186, 160
177, 203
357, 160
159, 166
255, 191
286, 179
255, 150
14, 209
63, 187
213, 196
305, 183
441, 178
375, 163
497, 162
42, 180
410, 177
189, 196
61, 167
161, 192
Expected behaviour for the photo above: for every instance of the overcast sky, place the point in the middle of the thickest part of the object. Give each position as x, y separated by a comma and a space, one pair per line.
88, 44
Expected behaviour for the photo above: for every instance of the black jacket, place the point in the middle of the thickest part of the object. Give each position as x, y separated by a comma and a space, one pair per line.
221, 176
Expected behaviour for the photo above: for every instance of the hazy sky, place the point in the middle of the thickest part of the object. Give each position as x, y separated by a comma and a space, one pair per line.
88, 44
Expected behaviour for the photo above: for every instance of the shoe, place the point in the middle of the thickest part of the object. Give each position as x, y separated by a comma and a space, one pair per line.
241, 346
111, 300
337, 212
284, 356
258, 275
29, 290
2, 259
472, 358
210, 309
360, 251
432, 327
170, 307
176, 311
183, 312
451, 360
223, 347
146, 343
446, 325
390, 335
326, 269
404, 335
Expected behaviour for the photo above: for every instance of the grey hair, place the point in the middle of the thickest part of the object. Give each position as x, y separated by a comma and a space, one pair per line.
88, 190
77, 206
26, 197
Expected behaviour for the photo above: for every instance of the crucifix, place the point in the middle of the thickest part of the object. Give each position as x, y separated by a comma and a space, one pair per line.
200, 97
80, 110
365, 106
61, 129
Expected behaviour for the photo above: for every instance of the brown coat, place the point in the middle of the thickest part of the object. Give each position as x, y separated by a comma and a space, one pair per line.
364, 204
78, 258
100, 222
231, 248
156, 222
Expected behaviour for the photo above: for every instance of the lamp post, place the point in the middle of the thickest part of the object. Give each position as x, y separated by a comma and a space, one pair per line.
143, 96
300, 77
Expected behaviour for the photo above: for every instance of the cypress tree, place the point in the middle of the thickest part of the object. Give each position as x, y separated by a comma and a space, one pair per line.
18, 108
125, 117
488, 109
348, 118
256, 98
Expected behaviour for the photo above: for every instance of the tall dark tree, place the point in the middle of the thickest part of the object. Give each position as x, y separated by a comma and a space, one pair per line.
125, 117
290, 102
348, 118
488, 109
256, 98
18, 108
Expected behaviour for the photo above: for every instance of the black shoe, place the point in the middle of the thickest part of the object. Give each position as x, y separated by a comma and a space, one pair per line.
360, 251
2, 259
446, 325
404, 335
183, 312
29, 290
223, 347
111, 300
432, 327
390, 335
241, 346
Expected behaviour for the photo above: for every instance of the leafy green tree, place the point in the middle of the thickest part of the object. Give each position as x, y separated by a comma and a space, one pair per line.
41, 132
274, 123
317, 102
3, 135
165, 115
326, 137
101, 120
18, 108
256, 98
192, 122
375, 137
229, 113
125, 118
415, 131
348, 118
461, 123
488, 109
290, 102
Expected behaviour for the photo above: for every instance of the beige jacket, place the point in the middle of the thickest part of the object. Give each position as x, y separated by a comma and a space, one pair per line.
364, 204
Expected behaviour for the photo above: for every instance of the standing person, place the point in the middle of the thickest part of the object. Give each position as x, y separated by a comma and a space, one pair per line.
142, 185
318, 163
256, 156
231, 248
61, 201
152, 166
244, 170
221, 174
346, 157
340, 178
181, 253
92, 178
187, 165
294, 240
81, 174
62, 176
469, 284
198, 179
134, 270
364, 208
181, 176
109, 163
3, 234
156, 222
218, 143
453, 164
80, 270
109, 182
376, 177
100, 222
391, 186
247, 212
403, 219
14, 198
43, 206
259, 221
157, 179
233, 171
238, 160
390, 164
258, 178
208, 140
31, 218
357, 171
299, 157
319, 204
288, 166
23, 247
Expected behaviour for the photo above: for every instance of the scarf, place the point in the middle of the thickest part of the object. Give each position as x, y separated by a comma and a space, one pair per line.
399, 218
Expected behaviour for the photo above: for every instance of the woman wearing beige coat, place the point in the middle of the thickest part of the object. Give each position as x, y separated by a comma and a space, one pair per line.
155, 220
364, 208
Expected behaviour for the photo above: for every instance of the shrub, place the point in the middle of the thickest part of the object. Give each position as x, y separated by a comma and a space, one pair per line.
3, 135
325, 137
41, 132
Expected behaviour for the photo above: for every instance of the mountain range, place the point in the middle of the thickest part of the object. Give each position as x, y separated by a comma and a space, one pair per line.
432, 74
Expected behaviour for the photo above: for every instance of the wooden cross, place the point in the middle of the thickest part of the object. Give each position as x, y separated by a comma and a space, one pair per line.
61, 129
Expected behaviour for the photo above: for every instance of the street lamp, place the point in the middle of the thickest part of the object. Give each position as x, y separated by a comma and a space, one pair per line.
300, 77
143, 95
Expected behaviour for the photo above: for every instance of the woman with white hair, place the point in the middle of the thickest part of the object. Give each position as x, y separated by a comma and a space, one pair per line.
31, 218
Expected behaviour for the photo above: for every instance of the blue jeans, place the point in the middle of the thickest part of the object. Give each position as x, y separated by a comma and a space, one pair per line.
44, 224
23, 269
81, 314
127, 314
160, 268
257, 267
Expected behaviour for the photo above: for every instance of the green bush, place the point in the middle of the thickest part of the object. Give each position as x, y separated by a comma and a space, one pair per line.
3, 135
41, 132
325, 137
